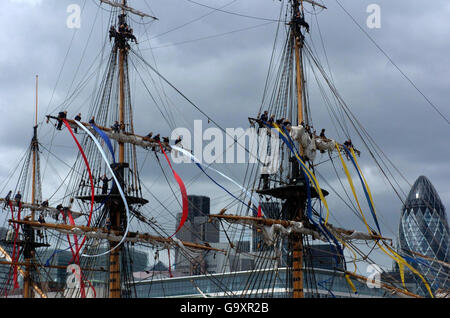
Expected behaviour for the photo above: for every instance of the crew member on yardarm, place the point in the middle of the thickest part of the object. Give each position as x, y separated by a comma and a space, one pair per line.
59, 207
264, 116
149, 135
116, 127
108, 224
105, 182
280, 121
261, 119
61, 116
299, 20
41, 220
179, 139
77, 118
287, 123
129, 34
112, 32
7, 198
348, 144
18, 197
45, 204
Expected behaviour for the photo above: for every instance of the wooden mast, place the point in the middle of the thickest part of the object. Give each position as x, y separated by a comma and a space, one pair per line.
33, 184
115, 215
27, 284
297, 239
298, 67
122, 56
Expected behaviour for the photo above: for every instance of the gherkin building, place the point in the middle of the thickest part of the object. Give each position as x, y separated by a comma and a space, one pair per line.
424, 235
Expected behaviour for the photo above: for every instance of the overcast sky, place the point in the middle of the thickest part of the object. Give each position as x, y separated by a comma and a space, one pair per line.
224, 75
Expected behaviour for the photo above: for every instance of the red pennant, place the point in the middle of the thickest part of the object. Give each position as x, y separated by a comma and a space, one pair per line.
183, 193
75, 255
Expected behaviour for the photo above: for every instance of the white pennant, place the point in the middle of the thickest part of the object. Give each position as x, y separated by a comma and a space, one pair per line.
118, 186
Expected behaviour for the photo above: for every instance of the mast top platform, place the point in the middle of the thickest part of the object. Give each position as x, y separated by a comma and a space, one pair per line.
102, 198
291, 191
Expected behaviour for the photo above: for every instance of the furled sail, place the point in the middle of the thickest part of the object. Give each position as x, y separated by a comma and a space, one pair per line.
310, 142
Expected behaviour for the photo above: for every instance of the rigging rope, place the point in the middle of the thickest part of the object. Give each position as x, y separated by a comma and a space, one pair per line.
118, 187
187, 23
88, 169
75, 255
322, 226
106, 139
15, 257
78, 247
364, 185
309, 174
47, 262
234, 13
396, 66
396, 257
199, 165
192, 103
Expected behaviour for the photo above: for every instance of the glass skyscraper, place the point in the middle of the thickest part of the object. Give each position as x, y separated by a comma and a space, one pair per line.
424, 230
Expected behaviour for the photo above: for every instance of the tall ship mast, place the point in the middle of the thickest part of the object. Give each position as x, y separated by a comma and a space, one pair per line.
105, 211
